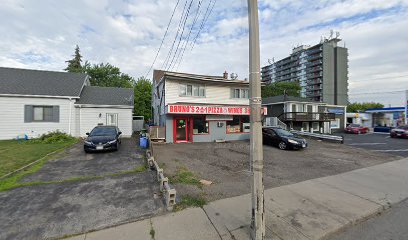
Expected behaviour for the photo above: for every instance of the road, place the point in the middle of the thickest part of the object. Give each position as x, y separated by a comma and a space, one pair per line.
378, 142
391, 225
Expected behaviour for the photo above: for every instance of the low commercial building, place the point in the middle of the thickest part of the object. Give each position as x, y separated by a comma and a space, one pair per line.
303, 114
200, 108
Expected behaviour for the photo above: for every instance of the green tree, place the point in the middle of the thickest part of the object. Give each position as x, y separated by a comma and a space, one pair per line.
361, 107
279, 88
143, 98
107, 75
74, 65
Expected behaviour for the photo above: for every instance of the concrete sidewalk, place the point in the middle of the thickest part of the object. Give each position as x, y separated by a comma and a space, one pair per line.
312, 209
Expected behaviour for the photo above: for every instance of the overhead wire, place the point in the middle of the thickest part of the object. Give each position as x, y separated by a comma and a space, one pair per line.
184, 46
181, 35
162, 41
205, 18
164, 65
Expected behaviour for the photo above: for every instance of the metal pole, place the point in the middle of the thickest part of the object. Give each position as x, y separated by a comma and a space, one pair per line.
256, 151
406, 107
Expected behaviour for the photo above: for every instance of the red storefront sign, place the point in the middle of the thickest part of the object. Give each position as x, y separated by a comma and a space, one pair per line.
203, 109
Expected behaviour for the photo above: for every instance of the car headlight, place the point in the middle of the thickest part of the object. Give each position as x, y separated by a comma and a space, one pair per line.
292, 141
88, 143
112, 142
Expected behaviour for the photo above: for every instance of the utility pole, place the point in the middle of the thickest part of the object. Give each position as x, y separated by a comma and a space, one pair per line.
256, 148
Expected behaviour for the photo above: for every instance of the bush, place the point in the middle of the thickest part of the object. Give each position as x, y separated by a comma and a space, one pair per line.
54, 137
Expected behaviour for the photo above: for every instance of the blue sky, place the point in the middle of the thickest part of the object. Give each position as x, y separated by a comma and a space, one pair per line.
42, 34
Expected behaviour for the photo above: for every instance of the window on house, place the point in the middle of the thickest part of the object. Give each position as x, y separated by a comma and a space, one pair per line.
192, 90
41, 113
112, 119
239, 124
240, 93
200, 125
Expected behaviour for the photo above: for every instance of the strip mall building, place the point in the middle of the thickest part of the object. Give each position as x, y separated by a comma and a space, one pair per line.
199, 108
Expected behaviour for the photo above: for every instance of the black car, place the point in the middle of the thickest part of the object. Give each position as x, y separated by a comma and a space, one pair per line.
103, 138
282, 138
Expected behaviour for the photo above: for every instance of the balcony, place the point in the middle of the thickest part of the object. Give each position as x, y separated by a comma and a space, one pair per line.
307, 116
313, 57
310, 64
315, 50
314, 93
314, 69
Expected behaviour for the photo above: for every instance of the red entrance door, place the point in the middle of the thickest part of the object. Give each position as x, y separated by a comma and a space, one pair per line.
181, 129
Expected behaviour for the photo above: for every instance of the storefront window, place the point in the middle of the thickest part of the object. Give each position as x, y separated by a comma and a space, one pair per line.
200, 125
239, 124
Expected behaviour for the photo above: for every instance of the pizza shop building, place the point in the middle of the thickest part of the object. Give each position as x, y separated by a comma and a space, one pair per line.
200, 108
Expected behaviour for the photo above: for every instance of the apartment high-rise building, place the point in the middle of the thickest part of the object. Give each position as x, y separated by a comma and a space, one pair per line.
321, 70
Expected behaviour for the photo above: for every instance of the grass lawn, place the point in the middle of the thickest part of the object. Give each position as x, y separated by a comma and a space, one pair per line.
16, 154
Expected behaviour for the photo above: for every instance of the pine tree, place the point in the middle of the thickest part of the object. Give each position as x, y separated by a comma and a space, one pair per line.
74, 65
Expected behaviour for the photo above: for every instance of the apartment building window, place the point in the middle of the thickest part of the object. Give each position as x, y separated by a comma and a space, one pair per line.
239, 93
192, 90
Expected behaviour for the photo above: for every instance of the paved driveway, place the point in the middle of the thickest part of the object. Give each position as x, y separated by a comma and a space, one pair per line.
64, 208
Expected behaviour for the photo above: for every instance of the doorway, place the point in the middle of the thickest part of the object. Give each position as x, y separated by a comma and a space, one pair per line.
181, 130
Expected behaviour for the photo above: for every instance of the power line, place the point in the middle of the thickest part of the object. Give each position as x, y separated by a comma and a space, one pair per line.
164, 65
389, 92
204, 21
182, 33
379, 78
189, 33
164, 36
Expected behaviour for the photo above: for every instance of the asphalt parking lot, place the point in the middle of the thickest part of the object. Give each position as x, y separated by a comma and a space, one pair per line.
69, 205
227, 165
378, 142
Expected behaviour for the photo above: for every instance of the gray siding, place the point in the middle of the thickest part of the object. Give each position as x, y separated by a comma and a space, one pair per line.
342, 76
328, 74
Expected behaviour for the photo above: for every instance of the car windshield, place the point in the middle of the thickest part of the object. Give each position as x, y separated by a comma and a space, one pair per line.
403, 127
283, 133
354, 125
103, 132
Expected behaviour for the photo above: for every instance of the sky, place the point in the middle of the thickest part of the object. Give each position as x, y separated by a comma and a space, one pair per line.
42, 34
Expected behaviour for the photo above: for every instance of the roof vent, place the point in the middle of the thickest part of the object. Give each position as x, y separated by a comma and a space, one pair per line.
234, 76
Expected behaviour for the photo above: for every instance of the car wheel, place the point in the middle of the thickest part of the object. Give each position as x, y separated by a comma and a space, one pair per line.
282, 145
117, 146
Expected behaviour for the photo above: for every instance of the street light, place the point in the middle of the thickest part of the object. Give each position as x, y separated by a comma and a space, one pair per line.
256, 152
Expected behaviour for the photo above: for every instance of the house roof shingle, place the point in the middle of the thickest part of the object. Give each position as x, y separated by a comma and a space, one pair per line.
106, 96
41, 83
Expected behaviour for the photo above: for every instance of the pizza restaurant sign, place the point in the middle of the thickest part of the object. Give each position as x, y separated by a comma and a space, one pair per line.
202, 109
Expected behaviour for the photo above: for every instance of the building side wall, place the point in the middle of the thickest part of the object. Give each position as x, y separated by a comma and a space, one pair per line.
328, 74
215, 94
90, 119
342, 76
12, 117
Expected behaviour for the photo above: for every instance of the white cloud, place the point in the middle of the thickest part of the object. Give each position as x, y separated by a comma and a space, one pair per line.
42, 34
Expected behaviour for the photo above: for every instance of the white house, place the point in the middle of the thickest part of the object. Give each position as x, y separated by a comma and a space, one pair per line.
33, 102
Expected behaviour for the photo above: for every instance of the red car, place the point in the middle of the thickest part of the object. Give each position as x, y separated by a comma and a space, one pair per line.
401, 131
356, 128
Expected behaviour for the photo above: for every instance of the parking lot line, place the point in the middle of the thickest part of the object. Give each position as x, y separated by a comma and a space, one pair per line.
394, 150
356, 144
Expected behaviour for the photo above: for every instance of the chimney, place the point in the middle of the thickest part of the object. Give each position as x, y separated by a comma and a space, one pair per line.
225, 75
